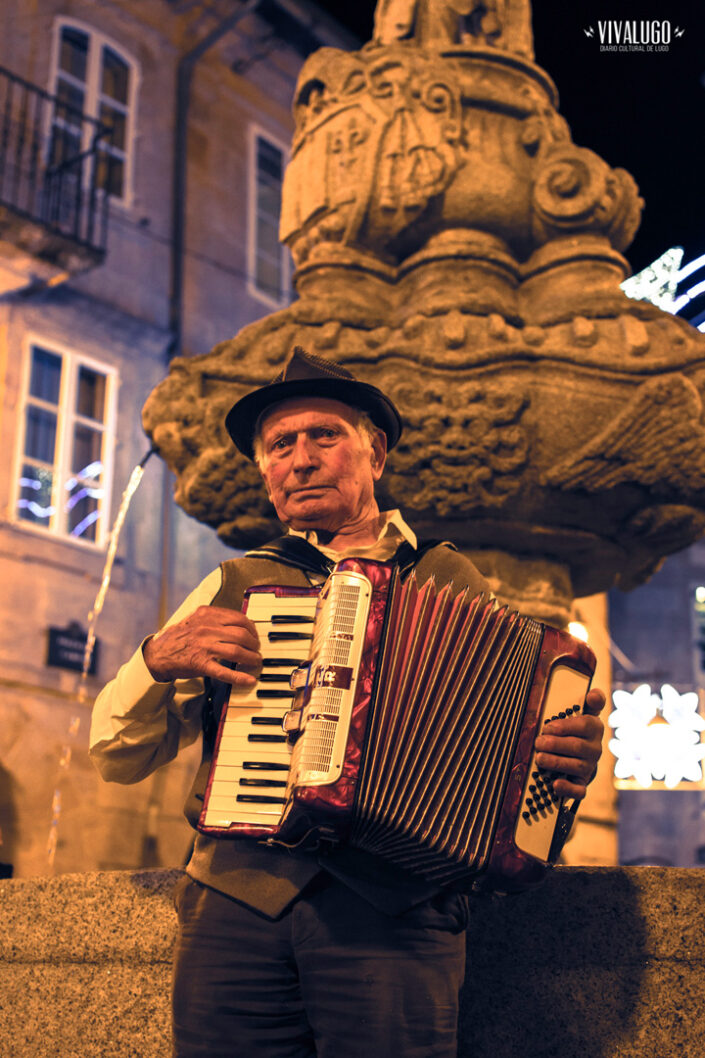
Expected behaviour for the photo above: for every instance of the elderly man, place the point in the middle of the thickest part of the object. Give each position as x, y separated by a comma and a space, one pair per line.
295, 954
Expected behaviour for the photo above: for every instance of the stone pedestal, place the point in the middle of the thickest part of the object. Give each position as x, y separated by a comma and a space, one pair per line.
607, 962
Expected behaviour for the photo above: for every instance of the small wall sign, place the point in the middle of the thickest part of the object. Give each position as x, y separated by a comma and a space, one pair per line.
67, 647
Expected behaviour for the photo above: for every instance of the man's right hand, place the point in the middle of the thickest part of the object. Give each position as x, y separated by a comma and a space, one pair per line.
198, 646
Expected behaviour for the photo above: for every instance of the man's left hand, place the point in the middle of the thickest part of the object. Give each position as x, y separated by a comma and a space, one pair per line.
573, 746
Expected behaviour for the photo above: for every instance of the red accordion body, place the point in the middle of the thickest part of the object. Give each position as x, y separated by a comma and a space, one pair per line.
411, 720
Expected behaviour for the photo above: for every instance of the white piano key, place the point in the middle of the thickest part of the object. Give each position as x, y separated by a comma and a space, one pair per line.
235, 749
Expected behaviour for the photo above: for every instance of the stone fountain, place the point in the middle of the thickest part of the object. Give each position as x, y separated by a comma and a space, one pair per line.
454, 246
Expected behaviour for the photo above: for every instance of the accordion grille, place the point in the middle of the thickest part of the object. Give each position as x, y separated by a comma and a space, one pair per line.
341, 620
317, 751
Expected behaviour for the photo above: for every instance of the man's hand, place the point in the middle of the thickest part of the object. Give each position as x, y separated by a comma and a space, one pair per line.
198, 646
573, 746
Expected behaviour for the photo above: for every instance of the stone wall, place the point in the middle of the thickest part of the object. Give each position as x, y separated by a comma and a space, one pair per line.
602, 962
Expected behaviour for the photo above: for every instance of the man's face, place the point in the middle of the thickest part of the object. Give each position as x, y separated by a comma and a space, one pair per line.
318, 469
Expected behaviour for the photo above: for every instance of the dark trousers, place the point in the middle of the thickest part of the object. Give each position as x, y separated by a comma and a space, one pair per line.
332, 978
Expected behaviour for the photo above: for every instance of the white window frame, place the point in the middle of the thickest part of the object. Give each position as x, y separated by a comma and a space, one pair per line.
72, 360
257, 132
93, 96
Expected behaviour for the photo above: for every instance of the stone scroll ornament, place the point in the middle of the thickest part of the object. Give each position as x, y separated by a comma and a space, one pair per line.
574, 190
453, 246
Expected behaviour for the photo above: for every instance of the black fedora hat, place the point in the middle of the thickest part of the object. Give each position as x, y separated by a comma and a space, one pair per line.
306, 375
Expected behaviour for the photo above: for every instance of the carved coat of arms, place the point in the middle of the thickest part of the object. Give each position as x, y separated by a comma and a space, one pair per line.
375, 142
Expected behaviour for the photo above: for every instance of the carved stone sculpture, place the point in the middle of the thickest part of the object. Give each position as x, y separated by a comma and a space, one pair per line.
453, 246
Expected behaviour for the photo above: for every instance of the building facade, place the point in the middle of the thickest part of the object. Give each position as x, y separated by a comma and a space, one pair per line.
142, 149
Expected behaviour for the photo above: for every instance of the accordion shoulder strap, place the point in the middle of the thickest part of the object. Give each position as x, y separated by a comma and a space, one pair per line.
294, 551
299, 553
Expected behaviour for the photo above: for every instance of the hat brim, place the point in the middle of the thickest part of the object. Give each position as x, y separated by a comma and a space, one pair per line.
242, 418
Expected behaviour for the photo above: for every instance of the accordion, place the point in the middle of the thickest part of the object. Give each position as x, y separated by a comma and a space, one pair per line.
398, 719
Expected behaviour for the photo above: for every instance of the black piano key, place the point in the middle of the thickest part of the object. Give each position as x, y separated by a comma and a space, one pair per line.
291, 619
263, 765
281, 663
271, 694
283, 637
273, 677
261, 782
267, 721
260, 799
266, 738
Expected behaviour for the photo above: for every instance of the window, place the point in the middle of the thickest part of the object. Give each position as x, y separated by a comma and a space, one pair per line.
269, 260
93, 78
64, 467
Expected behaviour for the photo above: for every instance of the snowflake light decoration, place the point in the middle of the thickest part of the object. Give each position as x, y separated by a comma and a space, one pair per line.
657, 738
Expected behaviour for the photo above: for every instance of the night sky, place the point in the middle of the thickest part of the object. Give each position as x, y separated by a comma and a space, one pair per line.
644, 112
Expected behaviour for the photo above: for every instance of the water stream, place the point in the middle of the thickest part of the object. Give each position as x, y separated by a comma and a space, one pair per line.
82, 694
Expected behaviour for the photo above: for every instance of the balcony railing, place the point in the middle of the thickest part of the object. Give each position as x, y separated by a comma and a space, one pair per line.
53, 164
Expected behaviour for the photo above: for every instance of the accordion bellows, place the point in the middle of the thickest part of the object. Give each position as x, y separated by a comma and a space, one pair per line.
398, 719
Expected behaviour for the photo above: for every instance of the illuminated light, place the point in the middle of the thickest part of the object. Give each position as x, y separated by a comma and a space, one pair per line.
577, 629
31, 482
657, 739
657, 282
696, 290
93, 470
35, 508
82, 494
85, 523
683, 300
687, 270
700, 593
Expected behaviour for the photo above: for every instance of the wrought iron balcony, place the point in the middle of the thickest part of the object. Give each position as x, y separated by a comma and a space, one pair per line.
54, 167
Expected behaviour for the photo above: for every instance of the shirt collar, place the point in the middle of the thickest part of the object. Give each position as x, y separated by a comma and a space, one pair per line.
393, 525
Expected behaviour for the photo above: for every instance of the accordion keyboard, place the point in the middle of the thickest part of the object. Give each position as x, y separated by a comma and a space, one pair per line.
249, 780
